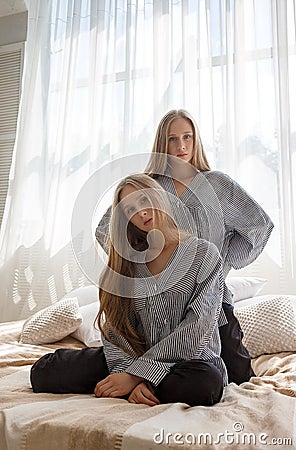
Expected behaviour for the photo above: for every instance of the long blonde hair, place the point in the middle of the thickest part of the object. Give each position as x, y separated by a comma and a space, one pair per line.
116, 310
157, 165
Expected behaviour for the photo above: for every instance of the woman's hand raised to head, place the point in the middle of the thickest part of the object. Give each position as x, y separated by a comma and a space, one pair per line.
116, 385
144, 394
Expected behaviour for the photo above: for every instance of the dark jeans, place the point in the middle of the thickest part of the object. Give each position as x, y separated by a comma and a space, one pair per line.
234, 354
193, 382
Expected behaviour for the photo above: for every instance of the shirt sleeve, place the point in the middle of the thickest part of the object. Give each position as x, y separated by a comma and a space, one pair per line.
117, 359
248, 224
191, 337
102, 230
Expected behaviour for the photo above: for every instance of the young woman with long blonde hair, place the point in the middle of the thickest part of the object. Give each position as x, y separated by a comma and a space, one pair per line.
160, 299
222, 211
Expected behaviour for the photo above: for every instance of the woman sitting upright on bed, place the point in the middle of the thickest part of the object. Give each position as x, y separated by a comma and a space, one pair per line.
160, 299
212, 206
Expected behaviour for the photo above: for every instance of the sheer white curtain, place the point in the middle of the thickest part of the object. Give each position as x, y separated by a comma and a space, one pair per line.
98, 76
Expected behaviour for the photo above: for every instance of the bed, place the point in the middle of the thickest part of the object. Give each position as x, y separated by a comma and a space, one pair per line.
255, 414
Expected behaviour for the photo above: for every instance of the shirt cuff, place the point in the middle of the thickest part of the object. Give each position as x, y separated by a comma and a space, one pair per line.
153, 371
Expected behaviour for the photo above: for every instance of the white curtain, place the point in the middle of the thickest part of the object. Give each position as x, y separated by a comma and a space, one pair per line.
99, 75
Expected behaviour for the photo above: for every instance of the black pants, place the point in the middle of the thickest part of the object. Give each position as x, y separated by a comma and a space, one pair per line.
234, 354
193, 382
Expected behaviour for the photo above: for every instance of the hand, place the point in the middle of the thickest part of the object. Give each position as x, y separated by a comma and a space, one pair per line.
143, 393
116, 385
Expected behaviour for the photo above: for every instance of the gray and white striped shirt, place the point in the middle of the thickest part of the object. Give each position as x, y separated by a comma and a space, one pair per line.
223, 213
177, 314
216, 208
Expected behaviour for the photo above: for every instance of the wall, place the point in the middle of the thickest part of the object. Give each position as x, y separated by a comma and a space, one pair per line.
13, 28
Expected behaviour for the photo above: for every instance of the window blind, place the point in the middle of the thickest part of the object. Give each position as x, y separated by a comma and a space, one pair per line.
11, 61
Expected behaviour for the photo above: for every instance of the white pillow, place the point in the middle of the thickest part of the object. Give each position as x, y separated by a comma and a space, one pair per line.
52, 323
244, 287
254, 300
84, 295
86, 332
269, 326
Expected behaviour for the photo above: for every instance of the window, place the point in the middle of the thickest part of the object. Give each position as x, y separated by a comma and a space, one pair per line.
11, 61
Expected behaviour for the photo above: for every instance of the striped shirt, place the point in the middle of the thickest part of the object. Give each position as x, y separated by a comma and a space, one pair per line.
222, 212
177, 315
216, 208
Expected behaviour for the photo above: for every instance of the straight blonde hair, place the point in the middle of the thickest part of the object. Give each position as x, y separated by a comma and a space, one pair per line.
116, 310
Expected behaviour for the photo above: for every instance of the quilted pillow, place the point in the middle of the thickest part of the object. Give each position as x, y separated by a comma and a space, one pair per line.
269, 326
52, 323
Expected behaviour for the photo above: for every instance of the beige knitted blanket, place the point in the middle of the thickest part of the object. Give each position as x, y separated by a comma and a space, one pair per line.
257, 414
